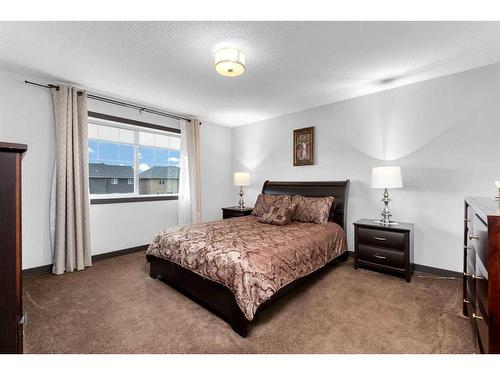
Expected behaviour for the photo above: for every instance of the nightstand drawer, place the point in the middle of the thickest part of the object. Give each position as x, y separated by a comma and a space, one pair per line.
384, 238
228, 215
383, 257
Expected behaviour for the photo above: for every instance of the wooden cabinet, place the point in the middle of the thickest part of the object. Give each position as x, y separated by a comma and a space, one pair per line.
481, 279
11, 307
229, 212
385, 248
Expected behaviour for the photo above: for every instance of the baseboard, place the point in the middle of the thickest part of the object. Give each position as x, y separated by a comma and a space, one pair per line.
37, 270
429, 269
48, 268
117, 253
437, 271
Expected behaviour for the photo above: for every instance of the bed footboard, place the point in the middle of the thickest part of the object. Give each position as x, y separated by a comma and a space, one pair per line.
213, 296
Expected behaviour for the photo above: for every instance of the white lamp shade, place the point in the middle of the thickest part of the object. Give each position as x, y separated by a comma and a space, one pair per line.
386, 177
229, 62
241, 179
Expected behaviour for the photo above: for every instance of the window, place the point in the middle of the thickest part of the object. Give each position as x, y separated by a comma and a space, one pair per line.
128, 161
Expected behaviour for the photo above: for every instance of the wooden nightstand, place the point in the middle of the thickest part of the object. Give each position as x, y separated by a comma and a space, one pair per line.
385, 248
228, 212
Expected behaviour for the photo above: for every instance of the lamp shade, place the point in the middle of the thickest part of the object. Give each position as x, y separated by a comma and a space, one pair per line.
230, 62
241, 179
386, 177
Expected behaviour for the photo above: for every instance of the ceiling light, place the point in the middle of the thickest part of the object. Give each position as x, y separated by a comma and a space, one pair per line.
229, 62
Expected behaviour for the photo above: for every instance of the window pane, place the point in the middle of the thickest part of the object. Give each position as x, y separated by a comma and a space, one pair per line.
108, 151
112, 161
156, 174
93, 150
174, 158
111, 167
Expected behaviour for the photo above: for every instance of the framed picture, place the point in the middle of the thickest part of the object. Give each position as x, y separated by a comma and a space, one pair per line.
303, 146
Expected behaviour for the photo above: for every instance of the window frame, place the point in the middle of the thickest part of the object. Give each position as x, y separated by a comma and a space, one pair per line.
136, 198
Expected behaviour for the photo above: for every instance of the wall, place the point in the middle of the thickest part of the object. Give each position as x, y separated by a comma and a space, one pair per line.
444, 133
27, 117
216, 176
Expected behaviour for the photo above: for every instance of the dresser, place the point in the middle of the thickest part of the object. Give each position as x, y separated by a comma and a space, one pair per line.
386, 248
481, 278
11, 306
236, 211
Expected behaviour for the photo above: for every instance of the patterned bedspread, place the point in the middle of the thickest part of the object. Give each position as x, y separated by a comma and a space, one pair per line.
254, 260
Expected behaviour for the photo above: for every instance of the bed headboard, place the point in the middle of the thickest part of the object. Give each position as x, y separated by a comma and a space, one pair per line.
337, 189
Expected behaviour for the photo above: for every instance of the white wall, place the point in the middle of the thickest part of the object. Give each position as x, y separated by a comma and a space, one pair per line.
26, 116
444, 133
216, 176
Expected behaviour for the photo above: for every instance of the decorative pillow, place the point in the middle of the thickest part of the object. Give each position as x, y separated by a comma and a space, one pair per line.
279, 215
265, 201
312, 209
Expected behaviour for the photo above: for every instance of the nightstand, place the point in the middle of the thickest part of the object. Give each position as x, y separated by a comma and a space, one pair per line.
384, 247
228, 212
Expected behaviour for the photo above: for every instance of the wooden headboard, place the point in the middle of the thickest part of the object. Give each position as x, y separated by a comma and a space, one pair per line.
337, 189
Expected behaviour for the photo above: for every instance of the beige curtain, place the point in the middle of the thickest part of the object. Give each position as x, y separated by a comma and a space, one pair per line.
71, 237
189, 184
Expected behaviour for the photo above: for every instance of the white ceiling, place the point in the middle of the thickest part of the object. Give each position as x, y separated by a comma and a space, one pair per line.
291, 66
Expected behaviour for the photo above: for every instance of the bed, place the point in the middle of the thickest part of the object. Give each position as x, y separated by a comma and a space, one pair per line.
235, 267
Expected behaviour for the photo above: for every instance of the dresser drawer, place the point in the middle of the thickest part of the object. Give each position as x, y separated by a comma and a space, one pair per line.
478, 238
483, 334
383, 238
384, 257
482, 296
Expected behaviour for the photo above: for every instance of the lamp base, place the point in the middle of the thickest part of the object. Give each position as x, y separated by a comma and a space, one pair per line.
386, 213
241, 203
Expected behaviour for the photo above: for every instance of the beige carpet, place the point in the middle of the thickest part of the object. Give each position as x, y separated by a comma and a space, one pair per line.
115, 307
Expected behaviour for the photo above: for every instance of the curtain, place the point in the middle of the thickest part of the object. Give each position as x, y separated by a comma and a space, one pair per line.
70, 199
189, 184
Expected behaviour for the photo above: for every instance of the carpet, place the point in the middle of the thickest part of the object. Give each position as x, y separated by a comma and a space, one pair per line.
115, 307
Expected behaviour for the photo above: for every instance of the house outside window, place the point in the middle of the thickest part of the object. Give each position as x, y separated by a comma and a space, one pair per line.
132, 161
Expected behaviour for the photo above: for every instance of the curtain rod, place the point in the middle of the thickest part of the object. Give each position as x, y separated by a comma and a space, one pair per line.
118, 102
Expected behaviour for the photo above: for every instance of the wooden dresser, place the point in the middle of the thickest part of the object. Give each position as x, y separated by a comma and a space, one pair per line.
481, 280
11, 307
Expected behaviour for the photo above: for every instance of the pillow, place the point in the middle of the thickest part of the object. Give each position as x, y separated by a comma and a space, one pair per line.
279, 215
265, 201
312, 209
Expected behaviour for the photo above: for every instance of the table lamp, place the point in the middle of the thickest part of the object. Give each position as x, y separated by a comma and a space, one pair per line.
241, 179
386, 178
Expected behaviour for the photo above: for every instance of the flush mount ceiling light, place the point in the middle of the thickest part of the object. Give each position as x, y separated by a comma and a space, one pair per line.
229, 62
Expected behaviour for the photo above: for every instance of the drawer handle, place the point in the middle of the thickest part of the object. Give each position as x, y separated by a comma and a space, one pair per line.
380, 238
466, 301
379, 256
23, 320
473, 237
466, 220
478, 317
474, 277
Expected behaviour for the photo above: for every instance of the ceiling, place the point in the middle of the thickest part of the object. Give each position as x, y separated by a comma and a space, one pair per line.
291, 66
